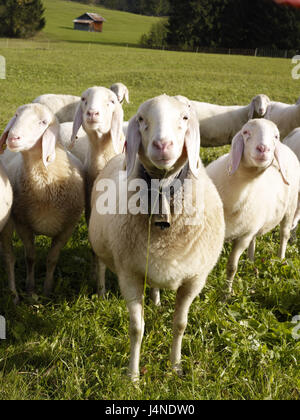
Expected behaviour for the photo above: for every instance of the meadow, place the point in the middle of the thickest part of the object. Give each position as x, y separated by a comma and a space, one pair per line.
75, 345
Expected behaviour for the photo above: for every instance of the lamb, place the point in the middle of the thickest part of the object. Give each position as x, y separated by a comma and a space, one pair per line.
48, 185
285, 116
163, 143
121, 92
63, 106
258, 182
5, 209
219, 124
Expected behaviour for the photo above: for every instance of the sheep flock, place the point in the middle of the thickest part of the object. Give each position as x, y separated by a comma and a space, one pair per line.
154, 213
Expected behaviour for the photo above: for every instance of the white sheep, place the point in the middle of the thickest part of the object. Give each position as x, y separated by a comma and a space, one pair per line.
219, 124
48, 185
6, 201
121, 92
285, 116
63, 106
101, 116
258, 182
163, 143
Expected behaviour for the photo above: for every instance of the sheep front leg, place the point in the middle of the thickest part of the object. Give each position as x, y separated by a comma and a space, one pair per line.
251, 250
27, 238
100, 273
239, 246
133, 293
57, 244
185, 296
9, 256
285, 234
155, 296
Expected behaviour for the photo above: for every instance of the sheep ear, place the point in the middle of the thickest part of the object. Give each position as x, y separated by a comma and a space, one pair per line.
127, 96
282, 164
133, 142
48, 144
77, 124
192, 144
4, 136
236, 153
117, 128
251, 111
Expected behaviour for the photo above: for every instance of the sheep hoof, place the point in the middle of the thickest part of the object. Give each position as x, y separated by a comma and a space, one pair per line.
178, 369
15, 297
135, 377
101, 294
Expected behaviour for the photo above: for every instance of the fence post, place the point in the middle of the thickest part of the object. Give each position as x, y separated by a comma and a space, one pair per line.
256, 51
2, 328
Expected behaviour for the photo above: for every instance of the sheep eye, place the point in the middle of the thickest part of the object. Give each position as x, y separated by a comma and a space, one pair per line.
185, 117
45, 122
83, 99
140, 119
113, 102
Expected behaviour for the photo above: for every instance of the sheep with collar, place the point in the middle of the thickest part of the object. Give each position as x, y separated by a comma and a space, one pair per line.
163, 140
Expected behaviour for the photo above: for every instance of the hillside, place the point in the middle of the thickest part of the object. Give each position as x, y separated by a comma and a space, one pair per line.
120, 27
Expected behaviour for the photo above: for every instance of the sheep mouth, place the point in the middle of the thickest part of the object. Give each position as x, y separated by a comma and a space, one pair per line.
262, 161
94, 124
13, 145
163, 163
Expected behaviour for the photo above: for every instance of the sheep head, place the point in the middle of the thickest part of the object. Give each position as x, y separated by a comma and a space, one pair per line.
256, 146
101, 112
165, 134
259, 106
121, 92
32, 125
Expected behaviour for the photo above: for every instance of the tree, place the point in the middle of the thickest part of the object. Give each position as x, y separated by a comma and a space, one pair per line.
233, 24
21, 18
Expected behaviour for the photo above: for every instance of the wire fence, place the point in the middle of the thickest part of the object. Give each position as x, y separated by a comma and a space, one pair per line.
254, 52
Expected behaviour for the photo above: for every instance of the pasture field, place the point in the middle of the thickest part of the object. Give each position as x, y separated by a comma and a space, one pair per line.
75, 346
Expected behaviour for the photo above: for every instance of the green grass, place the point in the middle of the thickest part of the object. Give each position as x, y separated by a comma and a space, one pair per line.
76, 346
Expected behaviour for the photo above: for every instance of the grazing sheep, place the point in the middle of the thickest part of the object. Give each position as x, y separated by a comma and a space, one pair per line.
219, 124
6, 201
258, 182
121, 92
285, 116
163, 143
48, 186
63, 106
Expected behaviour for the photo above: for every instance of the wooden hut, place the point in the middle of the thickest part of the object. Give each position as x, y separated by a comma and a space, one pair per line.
90, 22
